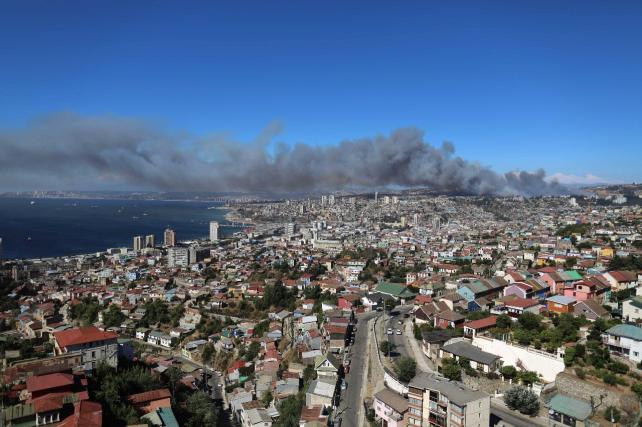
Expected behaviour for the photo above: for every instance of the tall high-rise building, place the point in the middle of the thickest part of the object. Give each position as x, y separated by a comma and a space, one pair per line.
177, 256
138, 243
213, 231
324, 200
331, 199
290, 228
1, 259
376, 196
150, 241
169, 239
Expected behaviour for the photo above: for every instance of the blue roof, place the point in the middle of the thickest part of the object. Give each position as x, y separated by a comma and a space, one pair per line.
168, 418
561, 299
627, 331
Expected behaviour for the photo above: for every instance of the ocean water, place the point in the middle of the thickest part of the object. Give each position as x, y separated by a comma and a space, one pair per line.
58, 227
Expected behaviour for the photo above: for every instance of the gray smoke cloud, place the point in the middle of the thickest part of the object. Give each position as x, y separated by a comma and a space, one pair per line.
70, 151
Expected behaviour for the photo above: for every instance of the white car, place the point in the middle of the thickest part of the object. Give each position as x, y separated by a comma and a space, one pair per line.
389, 331
398, 331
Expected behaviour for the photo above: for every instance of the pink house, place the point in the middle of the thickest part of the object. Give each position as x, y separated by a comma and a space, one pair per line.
590, 288
390, 408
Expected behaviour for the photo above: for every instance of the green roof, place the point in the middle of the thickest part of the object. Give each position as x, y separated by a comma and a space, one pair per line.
627, 331
575, 408
396, 290
573, 275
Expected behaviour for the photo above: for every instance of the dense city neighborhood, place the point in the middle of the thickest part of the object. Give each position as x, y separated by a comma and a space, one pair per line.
394, 309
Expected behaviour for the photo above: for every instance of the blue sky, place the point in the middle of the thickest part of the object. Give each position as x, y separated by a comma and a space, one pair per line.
514, 84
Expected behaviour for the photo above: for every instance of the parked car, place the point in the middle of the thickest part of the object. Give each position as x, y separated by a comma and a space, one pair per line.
398, 331
389, 331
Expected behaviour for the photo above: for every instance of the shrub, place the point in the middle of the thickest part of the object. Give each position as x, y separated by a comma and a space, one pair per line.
612, 414
522, 399
406, 369
451, 370
580, 373
618, 367
492, 376
509, 371
609, 378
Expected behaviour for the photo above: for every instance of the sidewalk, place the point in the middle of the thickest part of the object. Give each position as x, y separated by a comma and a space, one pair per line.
423, 363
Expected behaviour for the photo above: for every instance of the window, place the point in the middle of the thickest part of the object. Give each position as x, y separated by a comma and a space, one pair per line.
415, 411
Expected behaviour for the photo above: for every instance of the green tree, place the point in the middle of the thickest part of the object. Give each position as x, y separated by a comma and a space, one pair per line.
504, 321
173, 376
530, 321
386, 347
522, 399
451, 370
406, 369
200, 410
509, 372
528, 377
290, 411
113, 316
267, 398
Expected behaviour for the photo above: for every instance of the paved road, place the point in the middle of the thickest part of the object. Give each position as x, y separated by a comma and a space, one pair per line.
392, 322
498, 412
351, 403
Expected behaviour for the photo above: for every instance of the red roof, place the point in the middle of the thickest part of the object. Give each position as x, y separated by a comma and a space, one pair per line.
86, 414
47, 403
149, 396
45, 382
486, 322
84, 335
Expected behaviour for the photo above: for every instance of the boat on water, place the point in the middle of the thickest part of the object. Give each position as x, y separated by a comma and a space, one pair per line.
32, 202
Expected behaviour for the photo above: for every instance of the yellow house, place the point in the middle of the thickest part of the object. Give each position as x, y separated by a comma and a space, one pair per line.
607, 252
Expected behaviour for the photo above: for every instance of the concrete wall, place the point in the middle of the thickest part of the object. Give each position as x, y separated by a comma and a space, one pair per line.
394, 384
545, 364
478, 413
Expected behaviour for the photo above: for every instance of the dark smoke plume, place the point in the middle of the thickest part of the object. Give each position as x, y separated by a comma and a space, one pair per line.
68, 151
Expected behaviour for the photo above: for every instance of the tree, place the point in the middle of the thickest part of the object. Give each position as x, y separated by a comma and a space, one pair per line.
267, 398
528, 377
504, 321
252, 351
406, 369
200, 410
509, 372
173, 375
113, 316
530, 321
451, 370
522, 399
208, 354
290, 411
386, 347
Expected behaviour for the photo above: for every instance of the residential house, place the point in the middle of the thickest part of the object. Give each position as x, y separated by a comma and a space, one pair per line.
473, 327
390, 408
566, 411
95, 345
434, 400
625, 340
632, 309
449, 319
479, 360
591, 309
560, 304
